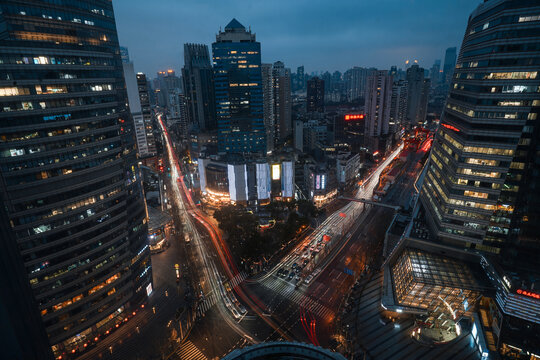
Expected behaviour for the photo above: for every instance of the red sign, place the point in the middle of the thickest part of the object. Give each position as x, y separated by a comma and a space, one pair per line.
354, 117
451, 127
528, 293
342, 214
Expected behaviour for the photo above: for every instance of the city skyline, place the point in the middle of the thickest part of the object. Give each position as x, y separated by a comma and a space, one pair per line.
297, 33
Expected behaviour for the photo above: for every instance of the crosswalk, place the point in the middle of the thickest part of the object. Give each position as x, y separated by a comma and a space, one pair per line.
209, 301
288, 291
188, 351
235, 281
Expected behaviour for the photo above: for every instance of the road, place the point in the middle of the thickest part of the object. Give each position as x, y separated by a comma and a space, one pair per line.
236, 311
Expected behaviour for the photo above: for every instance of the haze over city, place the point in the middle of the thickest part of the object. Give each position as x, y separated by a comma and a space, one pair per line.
317, 34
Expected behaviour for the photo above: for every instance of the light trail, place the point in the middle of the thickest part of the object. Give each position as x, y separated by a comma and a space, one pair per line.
222, 249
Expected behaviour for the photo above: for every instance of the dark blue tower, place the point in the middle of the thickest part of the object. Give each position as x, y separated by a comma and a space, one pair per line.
238, 91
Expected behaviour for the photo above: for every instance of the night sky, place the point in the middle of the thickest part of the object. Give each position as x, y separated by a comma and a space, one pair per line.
321, 35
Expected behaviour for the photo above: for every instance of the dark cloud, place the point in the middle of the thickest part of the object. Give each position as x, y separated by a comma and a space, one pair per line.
320, 34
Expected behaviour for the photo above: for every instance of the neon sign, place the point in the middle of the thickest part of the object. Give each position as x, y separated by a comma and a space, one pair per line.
354, 117
451, 127
528, 293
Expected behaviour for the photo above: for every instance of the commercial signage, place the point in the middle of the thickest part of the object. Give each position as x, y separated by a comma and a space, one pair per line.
317, 182
451, 127
354, 117
275, 172
528, 293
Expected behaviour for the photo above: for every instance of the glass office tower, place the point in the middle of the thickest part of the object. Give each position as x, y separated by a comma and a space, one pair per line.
68, 169
238, 91
481, 189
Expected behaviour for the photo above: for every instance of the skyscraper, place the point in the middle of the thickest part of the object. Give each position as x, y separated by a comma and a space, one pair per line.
144, 96
282, 101
416, 95
301, 78
435, 73
355, 80
170, 86
449, 65
378, 105
197, 76
315, 95
398, 105
481, 186
238, 91
69, 176
135, 108
267, 80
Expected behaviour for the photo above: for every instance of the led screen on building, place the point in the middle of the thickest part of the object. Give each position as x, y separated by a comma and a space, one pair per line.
263, 181
287, 178
276, 172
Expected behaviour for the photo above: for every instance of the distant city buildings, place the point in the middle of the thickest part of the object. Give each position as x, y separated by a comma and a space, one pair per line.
449, 65
238, 91
315, 95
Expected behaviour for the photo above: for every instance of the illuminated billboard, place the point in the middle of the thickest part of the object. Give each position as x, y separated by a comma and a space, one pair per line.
263, 181
287, 178
276, 172
354, 117
317, 182
323, 182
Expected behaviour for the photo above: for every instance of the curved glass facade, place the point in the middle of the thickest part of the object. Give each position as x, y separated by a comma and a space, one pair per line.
68, 166
481, 166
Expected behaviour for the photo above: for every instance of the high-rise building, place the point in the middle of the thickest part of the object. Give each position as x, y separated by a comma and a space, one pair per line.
378, 105
355, 81
315, 95
144, 96
170, 86
268, 104
435, 73
69, 179
124, 54
197, 76
238, 91
416, 102
449, 64
301, 78
135, 108
282, 101
398, 105
481, 187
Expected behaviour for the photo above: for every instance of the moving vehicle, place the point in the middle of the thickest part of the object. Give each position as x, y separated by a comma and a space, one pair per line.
308, 279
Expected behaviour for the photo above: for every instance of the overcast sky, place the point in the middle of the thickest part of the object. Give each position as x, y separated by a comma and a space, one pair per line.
319, 34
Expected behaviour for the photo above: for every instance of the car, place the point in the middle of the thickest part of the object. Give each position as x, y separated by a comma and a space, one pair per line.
306, 261
308, 279
285, 273
235, 313
294, 265
280, 272
298, 269
316, 272
291, 274
297, 277
242, 309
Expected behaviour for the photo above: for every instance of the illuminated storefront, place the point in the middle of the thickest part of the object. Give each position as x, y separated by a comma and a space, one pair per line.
430, 283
